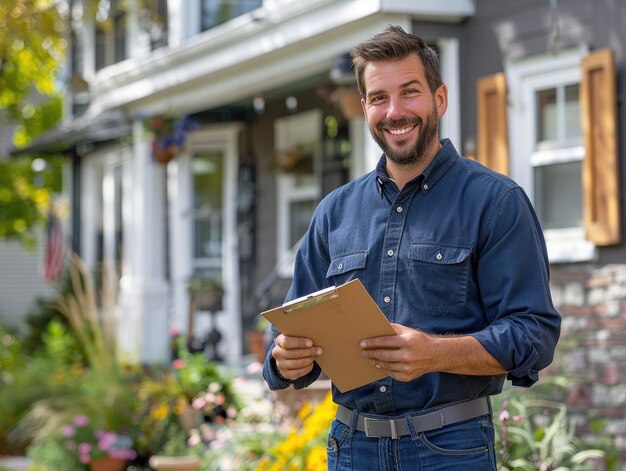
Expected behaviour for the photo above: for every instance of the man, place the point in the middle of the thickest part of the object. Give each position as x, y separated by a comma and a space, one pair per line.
454, 256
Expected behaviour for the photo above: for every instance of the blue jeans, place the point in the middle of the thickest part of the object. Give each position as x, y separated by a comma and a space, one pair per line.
464, 446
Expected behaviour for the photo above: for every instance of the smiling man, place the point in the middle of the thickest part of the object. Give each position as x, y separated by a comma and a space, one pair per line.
454, 256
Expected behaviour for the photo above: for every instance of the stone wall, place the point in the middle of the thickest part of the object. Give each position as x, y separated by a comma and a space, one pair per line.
592, 349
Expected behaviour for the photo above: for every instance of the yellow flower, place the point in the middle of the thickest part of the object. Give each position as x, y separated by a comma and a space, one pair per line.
304, 448
316, 459
160, 413
305, 410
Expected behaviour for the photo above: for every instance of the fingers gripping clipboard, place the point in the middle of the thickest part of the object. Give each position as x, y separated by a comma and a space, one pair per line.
336, 319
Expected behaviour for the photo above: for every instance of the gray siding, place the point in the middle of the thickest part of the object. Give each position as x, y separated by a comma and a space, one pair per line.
21, 282
516, 29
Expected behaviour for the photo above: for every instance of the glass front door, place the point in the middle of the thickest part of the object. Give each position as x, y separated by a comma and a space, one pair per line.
207, 170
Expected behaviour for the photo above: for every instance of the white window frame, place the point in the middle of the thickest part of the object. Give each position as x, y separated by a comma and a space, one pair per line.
305, 127
99, 173
524, 79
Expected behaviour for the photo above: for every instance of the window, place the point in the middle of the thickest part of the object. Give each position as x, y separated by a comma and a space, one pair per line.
557, 159
108, 236
158, 25
297, 139
547, 149
111, 38
216, 12
207, 174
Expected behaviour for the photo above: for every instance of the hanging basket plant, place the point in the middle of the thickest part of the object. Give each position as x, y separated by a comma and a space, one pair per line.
169, 134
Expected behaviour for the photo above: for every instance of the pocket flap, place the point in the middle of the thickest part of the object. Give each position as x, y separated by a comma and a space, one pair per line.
347, 263
438, 254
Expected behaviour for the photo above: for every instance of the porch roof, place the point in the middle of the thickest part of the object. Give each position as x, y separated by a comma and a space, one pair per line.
79, 134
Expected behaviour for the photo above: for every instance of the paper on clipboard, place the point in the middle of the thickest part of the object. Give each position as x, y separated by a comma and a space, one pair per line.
336, 319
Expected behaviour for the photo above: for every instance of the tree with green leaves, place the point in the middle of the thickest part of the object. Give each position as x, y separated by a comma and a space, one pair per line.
25, 197
32, 50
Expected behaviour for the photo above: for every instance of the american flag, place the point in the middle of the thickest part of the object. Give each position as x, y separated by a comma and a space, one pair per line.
55, 249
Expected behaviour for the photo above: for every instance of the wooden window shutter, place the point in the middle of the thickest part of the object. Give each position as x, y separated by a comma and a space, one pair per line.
598, 105
493, 139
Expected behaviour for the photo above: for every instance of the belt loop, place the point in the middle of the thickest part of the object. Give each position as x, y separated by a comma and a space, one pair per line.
409, 420
353, 420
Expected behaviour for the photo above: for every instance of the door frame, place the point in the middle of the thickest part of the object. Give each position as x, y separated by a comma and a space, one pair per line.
223, 138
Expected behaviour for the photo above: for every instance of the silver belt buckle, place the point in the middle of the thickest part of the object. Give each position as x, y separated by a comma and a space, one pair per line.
392, 427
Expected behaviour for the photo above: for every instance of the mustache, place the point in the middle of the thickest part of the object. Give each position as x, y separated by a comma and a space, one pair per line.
399, 123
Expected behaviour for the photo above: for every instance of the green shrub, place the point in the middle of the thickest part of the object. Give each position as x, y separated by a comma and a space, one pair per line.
534, 433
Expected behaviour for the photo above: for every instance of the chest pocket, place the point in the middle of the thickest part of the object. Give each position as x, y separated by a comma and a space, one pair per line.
348, 267
439, 276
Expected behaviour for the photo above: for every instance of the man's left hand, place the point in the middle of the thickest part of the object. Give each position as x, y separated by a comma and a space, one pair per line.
405, 356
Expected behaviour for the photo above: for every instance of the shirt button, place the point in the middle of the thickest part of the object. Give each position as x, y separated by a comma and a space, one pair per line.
383, 389
340, 266
390, 252
425, 186
438, 256
399, 209
387, 299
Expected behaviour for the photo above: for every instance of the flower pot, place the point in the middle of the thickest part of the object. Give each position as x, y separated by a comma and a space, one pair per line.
256, 345
209, 300
174, 463
189, 418
108, 464
163, 154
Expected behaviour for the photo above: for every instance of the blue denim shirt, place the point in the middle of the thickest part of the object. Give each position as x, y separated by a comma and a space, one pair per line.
458, 251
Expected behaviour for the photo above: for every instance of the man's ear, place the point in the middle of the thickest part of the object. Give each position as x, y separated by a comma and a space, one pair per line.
441, 99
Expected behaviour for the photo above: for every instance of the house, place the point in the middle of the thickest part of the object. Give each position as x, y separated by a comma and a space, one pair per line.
534, 89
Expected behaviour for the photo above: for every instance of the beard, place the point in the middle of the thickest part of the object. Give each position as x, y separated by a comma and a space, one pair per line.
429, 130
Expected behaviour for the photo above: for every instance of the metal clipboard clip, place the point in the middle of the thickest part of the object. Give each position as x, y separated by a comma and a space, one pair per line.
305, 302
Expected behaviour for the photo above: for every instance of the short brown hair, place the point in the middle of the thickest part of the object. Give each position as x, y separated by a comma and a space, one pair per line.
391, 45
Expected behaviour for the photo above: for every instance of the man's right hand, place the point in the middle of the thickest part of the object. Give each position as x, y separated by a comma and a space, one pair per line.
294, 356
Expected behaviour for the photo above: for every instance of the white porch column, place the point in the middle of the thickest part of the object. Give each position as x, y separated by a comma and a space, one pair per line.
144, 332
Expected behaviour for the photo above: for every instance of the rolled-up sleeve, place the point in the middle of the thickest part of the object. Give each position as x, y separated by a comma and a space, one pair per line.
513, 279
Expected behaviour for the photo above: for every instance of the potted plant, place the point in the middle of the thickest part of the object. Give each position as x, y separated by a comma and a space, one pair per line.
177, 453
206, 292
169, 133
101, 449
256, 339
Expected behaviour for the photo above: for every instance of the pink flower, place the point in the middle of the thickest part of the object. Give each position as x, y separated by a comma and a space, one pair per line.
84, 448
198, 403
106, 440
68, 431
178, 364
504, 415
84, 459
81, 420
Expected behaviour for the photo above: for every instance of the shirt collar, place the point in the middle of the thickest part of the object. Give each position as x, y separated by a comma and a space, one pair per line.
442, 162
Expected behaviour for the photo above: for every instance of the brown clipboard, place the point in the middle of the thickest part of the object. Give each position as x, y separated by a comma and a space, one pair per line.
336, 319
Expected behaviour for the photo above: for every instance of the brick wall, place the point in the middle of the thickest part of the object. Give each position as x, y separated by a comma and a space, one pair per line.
592, 350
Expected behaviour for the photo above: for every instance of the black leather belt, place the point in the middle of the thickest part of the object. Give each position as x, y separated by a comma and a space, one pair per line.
398, 426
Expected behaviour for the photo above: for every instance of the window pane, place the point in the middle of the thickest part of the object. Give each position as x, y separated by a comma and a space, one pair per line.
546, 115
158, 26
558, 195
301, 214
207, 181
101, 48
207, 235
216, 12
207, 206
572, 112
119, 23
